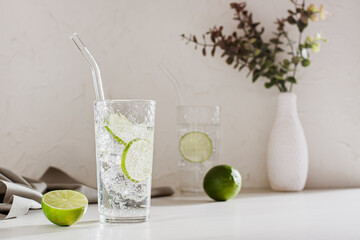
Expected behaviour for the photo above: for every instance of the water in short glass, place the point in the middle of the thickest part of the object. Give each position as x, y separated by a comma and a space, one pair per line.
124, 134
203, 122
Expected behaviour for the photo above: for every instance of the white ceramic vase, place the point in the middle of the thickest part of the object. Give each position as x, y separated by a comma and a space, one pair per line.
287, 154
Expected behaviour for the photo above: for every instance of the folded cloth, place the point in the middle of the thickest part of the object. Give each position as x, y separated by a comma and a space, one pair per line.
19, 194
56, 179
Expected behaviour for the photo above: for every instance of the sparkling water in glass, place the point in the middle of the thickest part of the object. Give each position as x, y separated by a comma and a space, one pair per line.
124, 135
200, 122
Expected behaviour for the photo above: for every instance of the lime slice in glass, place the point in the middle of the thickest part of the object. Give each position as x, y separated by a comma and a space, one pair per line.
119, 127
195, 147
136, 161
64, 207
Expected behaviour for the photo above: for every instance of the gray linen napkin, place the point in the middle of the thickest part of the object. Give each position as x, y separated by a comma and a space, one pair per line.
19, 194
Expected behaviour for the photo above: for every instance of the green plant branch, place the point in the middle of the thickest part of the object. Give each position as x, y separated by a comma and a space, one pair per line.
297, 55
245, 47
189, 39
240, 20
290, 44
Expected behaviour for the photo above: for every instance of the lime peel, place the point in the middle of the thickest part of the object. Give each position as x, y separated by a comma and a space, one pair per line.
119, 140
222, 182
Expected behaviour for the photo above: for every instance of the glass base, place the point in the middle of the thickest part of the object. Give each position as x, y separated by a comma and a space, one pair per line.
115, 220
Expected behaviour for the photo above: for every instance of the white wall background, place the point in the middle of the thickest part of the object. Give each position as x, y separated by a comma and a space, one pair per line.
46, 91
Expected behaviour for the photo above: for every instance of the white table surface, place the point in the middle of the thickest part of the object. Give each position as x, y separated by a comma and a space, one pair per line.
312, 214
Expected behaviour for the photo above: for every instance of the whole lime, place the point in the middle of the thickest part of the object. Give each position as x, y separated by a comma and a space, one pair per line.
222, 182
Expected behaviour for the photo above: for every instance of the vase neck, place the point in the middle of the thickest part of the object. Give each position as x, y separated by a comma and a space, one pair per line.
286, 104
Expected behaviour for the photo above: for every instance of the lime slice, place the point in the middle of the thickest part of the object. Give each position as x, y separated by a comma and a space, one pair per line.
195, 147
118, 125
64, 207
117, 119
136, 161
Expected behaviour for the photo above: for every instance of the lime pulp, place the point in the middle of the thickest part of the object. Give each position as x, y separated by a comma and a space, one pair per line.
64, 207
136, 160
195, 147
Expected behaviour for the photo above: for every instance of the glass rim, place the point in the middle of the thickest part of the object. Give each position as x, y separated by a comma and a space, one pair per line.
126, 100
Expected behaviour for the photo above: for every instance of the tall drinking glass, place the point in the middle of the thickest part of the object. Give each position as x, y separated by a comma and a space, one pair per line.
124, 136
198, 132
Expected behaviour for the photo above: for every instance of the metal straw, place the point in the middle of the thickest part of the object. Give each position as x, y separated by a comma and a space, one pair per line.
95, 71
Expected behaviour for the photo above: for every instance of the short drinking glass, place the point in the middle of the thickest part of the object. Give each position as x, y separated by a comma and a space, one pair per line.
198, 132
124, 136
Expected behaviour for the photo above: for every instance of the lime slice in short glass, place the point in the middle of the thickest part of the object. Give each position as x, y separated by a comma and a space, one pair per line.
64, 207
136, 161
196, 147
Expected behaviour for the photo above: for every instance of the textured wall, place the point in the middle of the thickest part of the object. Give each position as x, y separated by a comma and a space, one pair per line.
46, 91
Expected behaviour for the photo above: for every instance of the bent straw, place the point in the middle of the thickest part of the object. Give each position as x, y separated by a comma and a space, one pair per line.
174, 82
95, 71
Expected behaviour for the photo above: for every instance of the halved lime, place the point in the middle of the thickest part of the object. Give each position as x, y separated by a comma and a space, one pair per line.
64, 207
118, 127
195, 147
136, 161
